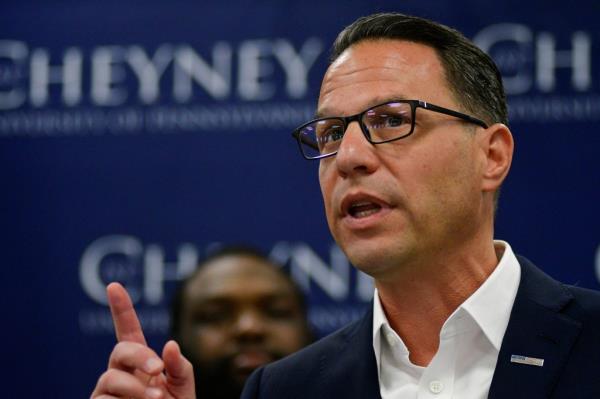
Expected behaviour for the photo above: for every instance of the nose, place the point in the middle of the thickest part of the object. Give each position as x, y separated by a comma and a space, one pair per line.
250, 326
356, 155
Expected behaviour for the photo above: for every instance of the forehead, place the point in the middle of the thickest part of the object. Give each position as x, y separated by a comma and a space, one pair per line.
374, 71
237, 276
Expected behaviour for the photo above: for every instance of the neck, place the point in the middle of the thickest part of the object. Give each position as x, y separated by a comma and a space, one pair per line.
435, 287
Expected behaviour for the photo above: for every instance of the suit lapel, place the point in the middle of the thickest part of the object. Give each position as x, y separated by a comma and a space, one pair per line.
536, 329
353, 364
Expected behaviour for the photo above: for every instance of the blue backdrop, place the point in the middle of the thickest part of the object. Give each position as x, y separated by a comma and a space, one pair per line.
134, 136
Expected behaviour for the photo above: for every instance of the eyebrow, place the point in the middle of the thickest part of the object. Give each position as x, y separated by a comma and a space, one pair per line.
323, 113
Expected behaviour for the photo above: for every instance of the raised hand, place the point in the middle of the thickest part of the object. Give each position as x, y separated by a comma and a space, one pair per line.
135, 370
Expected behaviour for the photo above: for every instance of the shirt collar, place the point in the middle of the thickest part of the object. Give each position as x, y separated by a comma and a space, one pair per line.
489, 306
379, 321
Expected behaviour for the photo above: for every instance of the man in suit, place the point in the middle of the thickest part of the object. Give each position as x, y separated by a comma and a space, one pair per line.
413, 146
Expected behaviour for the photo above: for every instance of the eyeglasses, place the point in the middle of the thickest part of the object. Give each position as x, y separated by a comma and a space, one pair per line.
382, 123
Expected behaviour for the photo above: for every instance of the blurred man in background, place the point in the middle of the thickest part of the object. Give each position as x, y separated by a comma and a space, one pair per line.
238, 311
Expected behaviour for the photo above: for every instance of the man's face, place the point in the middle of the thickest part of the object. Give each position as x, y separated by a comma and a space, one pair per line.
238, 314
403, 202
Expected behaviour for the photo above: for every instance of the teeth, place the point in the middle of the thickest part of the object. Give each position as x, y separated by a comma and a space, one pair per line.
363, 209
362, 214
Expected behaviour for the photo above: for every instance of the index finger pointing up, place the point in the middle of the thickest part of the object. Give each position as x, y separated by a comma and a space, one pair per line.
127, 325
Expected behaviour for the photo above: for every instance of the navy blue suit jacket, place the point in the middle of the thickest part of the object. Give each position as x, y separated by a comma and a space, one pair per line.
549, 320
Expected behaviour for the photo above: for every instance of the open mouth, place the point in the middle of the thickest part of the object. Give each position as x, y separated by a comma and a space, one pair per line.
363, 209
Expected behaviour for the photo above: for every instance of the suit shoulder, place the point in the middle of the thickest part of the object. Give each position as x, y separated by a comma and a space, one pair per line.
586, 301
298, 372
327, 345
327, 368
580, 303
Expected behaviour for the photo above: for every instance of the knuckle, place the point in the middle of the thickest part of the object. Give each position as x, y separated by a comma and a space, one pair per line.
187, 364
107, 379
124, 346
118, 350
124, 351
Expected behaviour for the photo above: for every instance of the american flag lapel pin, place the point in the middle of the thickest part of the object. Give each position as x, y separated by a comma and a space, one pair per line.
531, 361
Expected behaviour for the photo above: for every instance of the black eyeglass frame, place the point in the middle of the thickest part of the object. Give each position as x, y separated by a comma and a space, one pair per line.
414, 104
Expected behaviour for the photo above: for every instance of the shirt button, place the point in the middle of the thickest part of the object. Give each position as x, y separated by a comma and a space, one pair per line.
436, 386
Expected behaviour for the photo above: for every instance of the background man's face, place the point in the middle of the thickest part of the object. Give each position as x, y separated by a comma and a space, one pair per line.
238, 314
422, 194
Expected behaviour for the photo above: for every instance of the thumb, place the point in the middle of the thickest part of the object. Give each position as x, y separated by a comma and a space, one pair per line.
180, 373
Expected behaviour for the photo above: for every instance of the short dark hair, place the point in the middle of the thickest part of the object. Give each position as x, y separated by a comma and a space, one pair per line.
222, 252
472, 76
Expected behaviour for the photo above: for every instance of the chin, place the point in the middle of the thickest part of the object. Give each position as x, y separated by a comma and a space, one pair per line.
376, 257
366, 259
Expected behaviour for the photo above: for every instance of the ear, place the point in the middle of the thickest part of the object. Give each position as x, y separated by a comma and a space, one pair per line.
497, 146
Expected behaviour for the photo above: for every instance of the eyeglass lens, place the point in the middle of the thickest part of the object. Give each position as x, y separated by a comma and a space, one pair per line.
382, 123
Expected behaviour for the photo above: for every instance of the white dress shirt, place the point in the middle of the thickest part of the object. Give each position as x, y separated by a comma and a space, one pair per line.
470, 341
